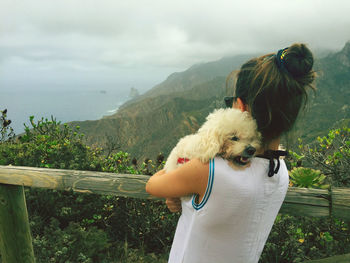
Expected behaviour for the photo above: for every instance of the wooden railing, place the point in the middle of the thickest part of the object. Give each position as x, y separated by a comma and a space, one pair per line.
15, 241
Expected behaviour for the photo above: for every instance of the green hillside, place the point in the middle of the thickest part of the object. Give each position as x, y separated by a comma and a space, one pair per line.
154, 122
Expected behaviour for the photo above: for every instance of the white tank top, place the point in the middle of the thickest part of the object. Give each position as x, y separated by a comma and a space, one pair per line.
234, 218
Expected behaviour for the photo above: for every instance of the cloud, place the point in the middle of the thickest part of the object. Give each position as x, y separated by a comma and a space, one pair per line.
146, 35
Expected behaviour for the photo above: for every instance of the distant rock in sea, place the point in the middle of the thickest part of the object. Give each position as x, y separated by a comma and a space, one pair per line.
134, 93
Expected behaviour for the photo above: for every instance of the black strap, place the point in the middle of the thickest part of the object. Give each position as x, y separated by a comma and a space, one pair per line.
270, 154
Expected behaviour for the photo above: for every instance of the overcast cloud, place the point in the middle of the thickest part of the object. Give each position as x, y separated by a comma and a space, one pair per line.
108, 44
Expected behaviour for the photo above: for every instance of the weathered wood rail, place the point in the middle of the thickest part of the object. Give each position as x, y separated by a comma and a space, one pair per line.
336, 259
15, 239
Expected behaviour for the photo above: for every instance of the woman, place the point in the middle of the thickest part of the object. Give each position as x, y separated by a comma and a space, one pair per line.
232, 212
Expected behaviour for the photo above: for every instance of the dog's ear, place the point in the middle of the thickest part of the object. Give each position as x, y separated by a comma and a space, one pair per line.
210, 143
210, 147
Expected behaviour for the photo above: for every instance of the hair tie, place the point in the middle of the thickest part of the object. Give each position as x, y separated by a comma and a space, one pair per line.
280, 59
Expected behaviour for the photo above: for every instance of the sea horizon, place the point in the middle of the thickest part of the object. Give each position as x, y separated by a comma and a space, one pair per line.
65, 106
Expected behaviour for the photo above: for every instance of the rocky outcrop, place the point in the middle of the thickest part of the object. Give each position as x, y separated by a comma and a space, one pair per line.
344, 56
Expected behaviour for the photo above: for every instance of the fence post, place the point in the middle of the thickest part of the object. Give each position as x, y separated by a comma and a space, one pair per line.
15, 238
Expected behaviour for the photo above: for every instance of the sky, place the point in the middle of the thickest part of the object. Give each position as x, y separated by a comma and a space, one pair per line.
105, 44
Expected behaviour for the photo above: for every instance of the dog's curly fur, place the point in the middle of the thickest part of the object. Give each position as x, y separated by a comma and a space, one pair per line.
226, 132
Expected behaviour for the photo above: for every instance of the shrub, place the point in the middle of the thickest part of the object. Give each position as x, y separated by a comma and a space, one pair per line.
6, 131
297, 239
330, 154
307, 177
71, 244
51, 145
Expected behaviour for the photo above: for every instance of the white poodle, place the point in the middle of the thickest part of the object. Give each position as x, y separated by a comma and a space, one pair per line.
229, 133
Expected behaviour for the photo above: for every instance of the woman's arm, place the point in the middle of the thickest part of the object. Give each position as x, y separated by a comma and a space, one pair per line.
190, 178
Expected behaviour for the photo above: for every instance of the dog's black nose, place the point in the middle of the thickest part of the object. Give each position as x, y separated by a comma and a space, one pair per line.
250, 150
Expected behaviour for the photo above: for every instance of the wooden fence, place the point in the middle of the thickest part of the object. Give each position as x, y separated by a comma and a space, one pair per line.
15, 241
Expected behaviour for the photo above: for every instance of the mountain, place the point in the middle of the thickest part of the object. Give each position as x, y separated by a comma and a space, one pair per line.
153, 122
330, 105
183, 81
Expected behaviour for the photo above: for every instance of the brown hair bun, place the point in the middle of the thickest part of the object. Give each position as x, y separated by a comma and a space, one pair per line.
299, 61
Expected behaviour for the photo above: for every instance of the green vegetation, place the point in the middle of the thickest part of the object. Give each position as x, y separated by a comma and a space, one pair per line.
73, 227
307, 178
330, 154
7, 133
297, 239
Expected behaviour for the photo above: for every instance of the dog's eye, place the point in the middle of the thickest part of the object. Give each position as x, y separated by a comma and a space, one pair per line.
235, 138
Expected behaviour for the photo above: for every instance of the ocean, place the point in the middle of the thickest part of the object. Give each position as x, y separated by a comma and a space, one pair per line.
65, 106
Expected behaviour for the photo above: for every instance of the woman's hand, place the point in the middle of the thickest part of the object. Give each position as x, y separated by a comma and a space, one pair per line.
173, 204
